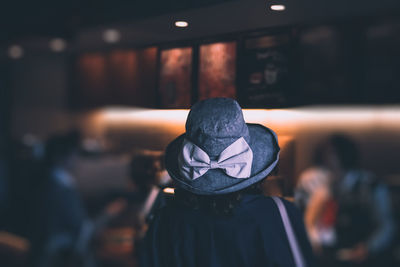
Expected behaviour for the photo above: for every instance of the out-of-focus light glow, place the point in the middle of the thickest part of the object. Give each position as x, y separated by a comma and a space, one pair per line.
15, 52
58, 45
174, 116
277, 7
111, 36
29, 139
14, 241
167, 124
169, 190
271, 117
181, 24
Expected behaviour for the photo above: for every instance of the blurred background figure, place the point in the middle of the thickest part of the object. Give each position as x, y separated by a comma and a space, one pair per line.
58, 215
313, 195
135, 204
347, 210
147, 174
20, 168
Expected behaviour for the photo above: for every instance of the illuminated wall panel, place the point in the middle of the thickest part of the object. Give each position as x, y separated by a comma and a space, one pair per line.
217, 70
120, 77
175, 78
132, 77
91, 80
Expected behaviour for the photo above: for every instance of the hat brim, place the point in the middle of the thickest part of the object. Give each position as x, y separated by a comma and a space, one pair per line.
263, 143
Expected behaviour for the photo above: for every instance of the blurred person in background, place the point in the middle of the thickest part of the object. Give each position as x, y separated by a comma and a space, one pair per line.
58, 215
19, 184
23, 166
349, 201
147, 175
314, 197
135, 208
62, 232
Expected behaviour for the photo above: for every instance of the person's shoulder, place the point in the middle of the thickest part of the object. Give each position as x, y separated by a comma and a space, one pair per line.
291, 209
366, 177
256, 200
264, 210
160, 216
267, 203
289, 205
172, 209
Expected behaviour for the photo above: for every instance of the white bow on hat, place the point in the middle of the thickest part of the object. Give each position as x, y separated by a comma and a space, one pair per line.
235, 160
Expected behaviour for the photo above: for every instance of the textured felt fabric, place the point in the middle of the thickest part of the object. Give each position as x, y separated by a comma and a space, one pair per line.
253, 236
213, 125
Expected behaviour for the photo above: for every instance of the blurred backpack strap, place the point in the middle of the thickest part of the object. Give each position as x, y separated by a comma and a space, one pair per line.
294, 245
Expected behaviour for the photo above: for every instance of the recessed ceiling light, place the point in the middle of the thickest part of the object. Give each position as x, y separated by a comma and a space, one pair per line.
181, 24
15, 51
58, 45
278, 7
111, 36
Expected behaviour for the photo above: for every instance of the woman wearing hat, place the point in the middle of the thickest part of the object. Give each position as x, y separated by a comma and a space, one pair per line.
219, 216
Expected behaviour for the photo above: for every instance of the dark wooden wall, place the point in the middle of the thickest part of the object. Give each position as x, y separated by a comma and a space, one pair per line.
349, 61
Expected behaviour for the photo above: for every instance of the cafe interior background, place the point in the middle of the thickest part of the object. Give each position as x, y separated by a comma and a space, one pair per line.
125, 74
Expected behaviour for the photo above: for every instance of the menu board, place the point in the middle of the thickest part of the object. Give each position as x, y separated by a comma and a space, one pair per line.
328, 64
92, 80
217, 70
381, 83
175, 78
132, 75
119, 77
265, 71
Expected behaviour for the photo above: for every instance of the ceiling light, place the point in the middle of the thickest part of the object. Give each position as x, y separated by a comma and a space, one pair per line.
111, 36
278, 7
15, 51
58, 45
181, 24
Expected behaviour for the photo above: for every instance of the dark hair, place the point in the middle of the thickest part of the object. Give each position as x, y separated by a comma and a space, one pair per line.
346, 150
143, 170
216, 204
343, 147
60, 147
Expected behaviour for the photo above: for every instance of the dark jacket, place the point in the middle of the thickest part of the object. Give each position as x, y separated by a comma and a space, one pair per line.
253, 236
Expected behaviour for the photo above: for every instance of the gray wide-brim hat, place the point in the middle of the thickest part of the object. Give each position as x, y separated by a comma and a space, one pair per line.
212, 126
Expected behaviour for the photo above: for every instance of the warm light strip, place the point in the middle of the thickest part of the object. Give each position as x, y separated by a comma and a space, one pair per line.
286, 120
144, 115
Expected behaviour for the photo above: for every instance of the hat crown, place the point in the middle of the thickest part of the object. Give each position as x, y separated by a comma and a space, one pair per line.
216, 123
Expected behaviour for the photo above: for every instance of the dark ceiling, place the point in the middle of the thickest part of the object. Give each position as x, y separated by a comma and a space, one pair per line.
148, 22
27, 18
